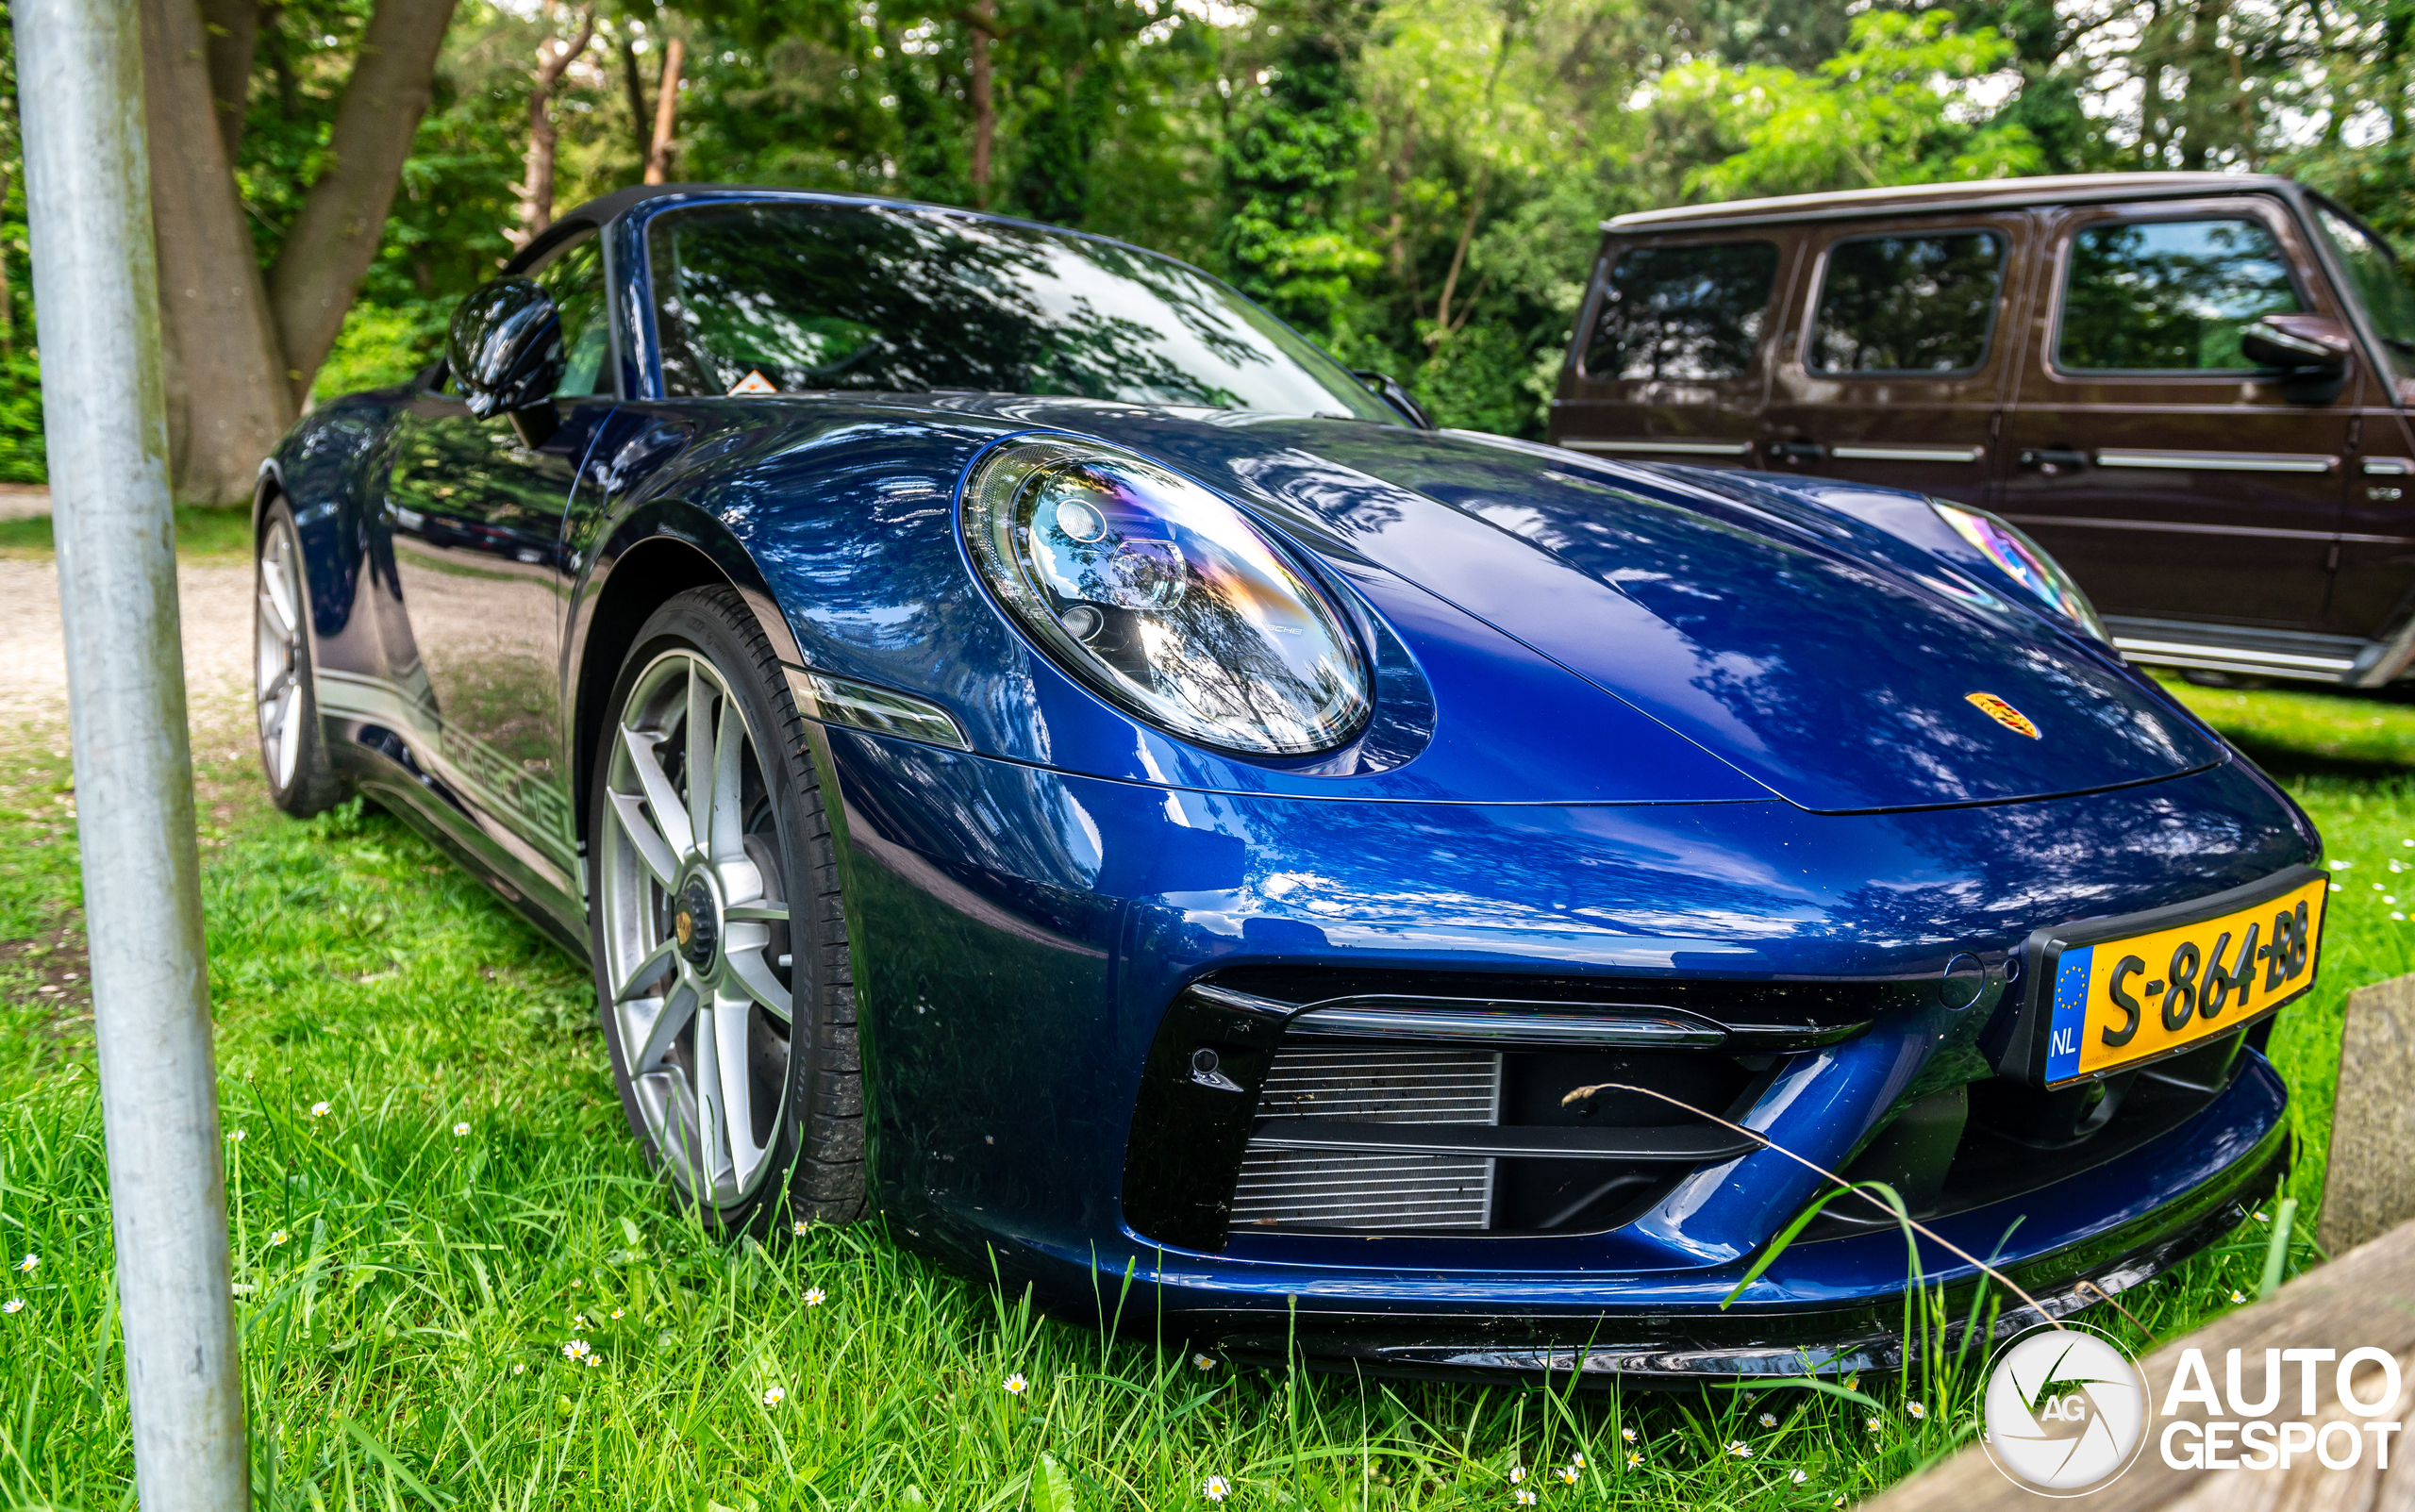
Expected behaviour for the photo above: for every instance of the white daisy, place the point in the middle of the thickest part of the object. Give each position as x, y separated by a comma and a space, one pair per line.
320, 1110
813, 1296
775, 1396
14, 1304
1740, 1450
460, 1129
1215, 1488
1015, 1384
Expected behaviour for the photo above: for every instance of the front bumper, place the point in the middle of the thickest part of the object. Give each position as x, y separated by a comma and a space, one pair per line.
1019, 936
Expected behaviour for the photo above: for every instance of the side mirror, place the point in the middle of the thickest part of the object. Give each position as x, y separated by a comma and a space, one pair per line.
506, 348
2306, 348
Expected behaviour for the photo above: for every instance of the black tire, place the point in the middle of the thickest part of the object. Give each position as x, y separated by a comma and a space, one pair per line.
811, 1161
285, 701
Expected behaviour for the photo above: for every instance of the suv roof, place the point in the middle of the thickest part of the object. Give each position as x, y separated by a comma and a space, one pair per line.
2063, 189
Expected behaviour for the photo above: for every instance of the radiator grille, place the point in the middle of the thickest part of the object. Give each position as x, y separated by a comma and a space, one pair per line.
1320, 1188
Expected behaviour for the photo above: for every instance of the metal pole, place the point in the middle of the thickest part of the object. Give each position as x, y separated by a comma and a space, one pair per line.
79, 73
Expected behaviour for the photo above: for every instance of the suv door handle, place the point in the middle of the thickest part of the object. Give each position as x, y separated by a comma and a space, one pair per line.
1797, 450
2053, 458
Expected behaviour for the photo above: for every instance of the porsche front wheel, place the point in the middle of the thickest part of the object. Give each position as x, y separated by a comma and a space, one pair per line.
293, 747
720, 946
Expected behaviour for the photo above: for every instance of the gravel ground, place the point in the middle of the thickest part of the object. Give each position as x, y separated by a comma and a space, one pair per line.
217, 602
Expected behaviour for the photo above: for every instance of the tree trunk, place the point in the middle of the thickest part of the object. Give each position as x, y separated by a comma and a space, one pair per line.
334, 238
536, 192
228, 399
234, 30
638, 115
985, 110
666, 113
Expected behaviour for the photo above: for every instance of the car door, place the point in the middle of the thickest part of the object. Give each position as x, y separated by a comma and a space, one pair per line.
1674, 363
2373, 591
1893, 368
473, 511
2178, 483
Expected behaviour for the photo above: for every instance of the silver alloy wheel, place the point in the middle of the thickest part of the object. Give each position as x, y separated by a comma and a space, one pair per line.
276, 680
695, 928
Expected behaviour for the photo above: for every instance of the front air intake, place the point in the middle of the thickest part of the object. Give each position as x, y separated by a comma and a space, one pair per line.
1372, 1189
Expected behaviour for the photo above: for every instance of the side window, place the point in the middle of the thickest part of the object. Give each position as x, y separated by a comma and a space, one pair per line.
1908, 304
2380, 283
2164, 296
576, 279
1692, 311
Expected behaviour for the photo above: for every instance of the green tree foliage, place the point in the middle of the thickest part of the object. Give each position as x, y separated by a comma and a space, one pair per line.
1884, 110
1290, 160
1416, 183
21, 450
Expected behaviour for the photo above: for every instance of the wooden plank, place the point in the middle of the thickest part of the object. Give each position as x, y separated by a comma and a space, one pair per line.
2370, 1189
2364, 1299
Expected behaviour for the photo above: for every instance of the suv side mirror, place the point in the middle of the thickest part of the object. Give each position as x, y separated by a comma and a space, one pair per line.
506, 348
2306, 348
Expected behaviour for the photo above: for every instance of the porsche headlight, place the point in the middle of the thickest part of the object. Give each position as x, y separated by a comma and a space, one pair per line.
2025, 562
1163, 599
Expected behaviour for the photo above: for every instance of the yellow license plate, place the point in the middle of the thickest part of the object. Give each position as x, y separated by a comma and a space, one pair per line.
2140, 997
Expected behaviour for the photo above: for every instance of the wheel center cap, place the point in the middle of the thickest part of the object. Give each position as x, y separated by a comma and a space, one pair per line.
696, 923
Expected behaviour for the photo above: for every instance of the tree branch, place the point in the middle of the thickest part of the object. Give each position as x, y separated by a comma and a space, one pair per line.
234, 31
635, 83
666, 112
336, 235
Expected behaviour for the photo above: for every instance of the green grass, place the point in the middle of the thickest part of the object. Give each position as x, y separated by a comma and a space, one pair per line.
204, 533
406, 1290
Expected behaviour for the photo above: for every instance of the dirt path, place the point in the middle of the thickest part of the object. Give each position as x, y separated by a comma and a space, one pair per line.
217, 602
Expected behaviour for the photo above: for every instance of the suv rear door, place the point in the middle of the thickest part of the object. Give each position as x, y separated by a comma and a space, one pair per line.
2145, 452
1897, 353
1671, 358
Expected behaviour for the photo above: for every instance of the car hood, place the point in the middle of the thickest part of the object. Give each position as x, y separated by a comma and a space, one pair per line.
1841, 668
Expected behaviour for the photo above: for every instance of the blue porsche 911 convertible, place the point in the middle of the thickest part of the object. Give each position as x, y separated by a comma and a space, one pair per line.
1035, 749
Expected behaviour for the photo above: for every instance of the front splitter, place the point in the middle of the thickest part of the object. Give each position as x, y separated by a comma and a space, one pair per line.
1678, 1349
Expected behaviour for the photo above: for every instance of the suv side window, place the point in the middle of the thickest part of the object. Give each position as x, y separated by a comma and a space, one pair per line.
575, 276
1690, 312
2379, 282
2164, 296
1908, 304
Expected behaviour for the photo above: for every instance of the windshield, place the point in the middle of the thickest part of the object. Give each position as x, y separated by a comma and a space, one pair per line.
2380, 287
780, 298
